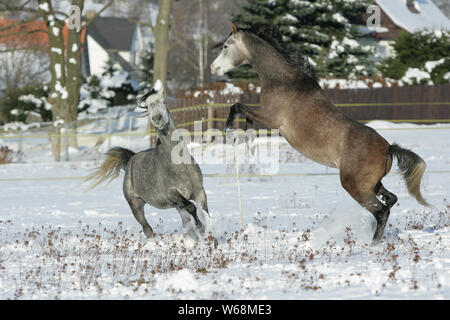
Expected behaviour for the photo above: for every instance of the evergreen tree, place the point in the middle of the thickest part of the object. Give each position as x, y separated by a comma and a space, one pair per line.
146, 70
427, 51
261, 12
119, 93
325, 31
110, 69
257, 12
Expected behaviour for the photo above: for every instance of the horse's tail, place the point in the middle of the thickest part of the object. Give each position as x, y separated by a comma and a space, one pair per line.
116, 159
412, 168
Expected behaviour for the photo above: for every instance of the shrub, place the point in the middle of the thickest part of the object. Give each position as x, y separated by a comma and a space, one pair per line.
19, 102
6, 155
123, 95
414, 50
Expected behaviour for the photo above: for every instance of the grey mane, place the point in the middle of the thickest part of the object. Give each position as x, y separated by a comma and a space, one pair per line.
294, 56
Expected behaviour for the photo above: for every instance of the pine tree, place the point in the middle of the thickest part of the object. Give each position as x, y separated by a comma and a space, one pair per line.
257, 12
110, 67
424, 50
261, 12
146, 70
325, 31
118, 95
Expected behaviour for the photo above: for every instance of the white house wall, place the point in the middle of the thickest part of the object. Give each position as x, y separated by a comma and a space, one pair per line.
125, 55
97, 57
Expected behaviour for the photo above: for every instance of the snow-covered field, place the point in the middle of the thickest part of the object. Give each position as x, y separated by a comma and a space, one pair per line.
303, 236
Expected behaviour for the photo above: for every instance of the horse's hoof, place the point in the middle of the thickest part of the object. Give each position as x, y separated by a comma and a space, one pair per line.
149, 234
193, 235
201, 229
375, 242
228, 125
216, 243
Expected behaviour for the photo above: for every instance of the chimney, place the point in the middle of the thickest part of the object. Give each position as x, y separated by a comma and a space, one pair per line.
89, 14
411, 6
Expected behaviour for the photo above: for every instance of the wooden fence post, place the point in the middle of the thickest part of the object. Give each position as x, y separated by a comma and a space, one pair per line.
20, 147
58, 144
109, 129
66, 142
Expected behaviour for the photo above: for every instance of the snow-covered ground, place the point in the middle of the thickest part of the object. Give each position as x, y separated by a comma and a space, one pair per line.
303, 236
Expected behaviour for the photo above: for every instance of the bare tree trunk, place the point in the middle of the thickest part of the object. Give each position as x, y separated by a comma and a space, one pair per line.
201, 51
73, 81
205, 40
161, 33
65, 59
58, 94
65, 67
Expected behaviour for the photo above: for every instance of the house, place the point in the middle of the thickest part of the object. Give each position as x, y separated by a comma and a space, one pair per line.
105, 38
399, 16
21, 68
30, 34
114, 38
411, 16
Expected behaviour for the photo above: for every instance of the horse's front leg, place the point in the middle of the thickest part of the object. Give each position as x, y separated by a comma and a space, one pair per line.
137, 207
184, 204
202, 201
236, 109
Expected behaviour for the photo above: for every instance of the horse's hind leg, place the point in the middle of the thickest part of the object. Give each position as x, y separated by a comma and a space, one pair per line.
381, 213
388, 198
137, 207
367, 197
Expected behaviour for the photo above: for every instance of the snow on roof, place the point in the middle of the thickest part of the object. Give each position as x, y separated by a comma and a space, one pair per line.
429, 16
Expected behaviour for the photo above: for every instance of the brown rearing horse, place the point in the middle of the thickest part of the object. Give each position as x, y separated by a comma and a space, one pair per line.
293, 102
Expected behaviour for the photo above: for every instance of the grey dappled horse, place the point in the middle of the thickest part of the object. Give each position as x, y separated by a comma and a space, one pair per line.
152, 177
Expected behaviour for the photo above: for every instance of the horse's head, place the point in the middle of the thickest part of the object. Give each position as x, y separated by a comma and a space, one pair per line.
153, 102
234, 53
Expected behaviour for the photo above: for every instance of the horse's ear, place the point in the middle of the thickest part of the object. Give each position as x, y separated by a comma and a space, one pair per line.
234, 27
159, 87
161, 91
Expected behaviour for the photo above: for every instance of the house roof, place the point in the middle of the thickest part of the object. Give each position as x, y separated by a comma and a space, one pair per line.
32, 33
112, 33
28, 34
427, 16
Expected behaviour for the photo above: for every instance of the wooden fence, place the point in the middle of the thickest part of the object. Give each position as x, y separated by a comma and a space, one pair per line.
401, 104
418, 104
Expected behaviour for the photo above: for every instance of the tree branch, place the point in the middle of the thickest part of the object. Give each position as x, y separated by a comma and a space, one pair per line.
85, 25
36, 48
23, 32
145, 24
12, 26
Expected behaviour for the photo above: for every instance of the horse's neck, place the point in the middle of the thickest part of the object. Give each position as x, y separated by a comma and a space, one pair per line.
166, 138
268, 62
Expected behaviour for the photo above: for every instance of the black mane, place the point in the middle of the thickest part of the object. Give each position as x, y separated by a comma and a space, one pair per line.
145, 96
294, 57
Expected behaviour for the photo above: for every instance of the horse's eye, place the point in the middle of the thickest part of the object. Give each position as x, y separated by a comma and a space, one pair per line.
225, 47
